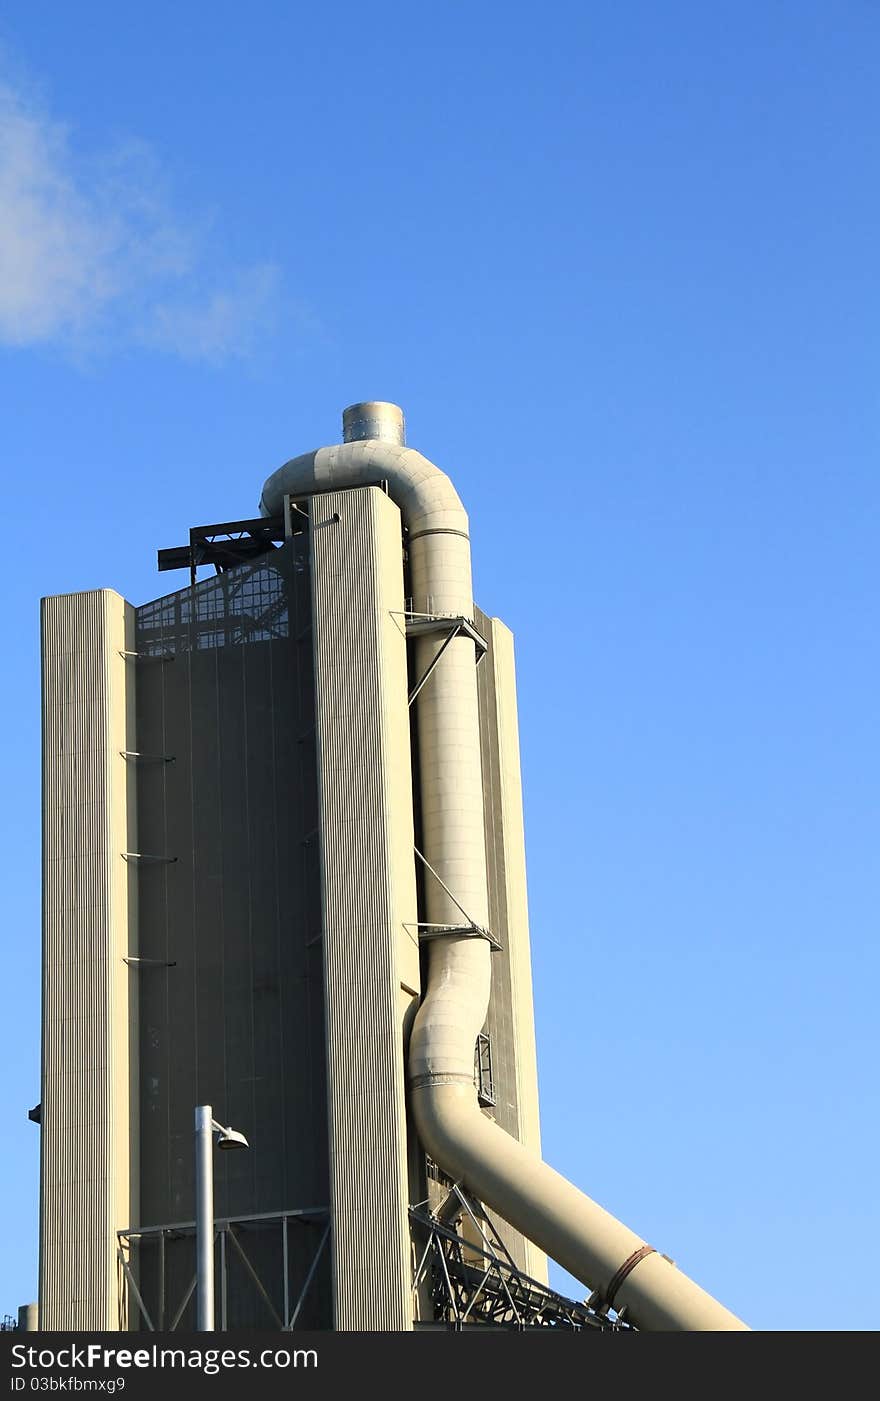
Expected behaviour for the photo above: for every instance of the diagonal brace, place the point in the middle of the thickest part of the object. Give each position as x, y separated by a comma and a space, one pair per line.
253, 1274
434, 661
308, 1279
134, 1289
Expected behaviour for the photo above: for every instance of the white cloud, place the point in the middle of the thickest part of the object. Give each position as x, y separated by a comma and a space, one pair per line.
226, 322
92, 254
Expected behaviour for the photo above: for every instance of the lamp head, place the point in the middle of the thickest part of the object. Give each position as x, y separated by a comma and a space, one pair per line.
230, 1138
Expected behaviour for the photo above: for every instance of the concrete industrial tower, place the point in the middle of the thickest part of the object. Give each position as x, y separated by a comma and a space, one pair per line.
284, 876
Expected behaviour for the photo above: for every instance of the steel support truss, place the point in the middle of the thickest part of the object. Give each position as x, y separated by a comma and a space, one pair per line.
418, 624
480, 1284
283, 1306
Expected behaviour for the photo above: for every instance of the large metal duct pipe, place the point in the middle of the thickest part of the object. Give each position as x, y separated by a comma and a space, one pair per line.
610, 1259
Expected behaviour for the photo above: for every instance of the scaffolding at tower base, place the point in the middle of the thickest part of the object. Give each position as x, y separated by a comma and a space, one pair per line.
472, 1285
282, 1300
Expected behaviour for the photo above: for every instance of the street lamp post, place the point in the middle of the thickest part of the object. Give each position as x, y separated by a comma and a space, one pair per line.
206, 1127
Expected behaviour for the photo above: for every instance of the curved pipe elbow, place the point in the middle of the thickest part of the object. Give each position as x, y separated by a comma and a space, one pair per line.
427, 499
574, 1230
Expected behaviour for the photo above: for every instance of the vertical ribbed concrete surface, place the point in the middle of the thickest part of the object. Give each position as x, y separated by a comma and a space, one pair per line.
511, 1018
88, 1144
368, 894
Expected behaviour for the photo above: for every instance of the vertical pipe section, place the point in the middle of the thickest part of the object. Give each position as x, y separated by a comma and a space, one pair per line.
204, 1220
456, 1000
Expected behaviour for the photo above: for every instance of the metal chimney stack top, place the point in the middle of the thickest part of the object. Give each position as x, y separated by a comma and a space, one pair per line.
376, 420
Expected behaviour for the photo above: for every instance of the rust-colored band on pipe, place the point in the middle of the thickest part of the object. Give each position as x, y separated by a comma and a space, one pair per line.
606, 1298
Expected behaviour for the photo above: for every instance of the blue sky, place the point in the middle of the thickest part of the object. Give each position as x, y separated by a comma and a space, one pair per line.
618, 263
